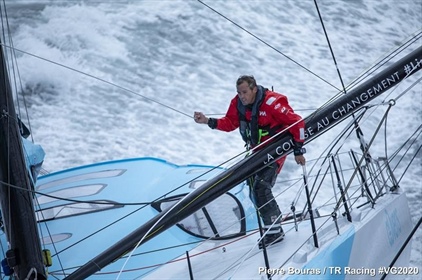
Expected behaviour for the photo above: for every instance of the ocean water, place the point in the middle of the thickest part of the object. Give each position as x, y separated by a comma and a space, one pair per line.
105, 80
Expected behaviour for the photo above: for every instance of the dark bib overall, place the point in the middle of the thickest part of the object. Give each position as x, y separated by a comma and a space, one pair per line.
263, 181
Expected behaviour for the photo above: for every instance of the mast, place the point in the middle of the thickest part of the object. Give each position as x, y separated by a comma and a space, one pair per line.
316, 124
24, 255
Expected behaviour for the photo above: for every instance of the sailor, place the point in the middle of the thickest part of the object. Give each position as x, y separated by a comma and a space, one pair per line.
260, 113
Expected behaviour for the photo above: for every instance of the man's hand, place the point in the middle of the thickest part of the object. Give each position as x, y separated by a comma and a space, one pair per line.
300, 159
298, 151
199, 117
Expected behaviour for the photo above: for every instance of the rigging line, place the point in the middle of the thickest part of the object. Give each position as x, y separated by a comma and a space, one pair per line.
149, 231
404, 144
307, 241
267, 44
385, 60
409, 70
251, 232
247, 255
225, 244
296, 110
365, 152
297, 197
359, 133
99, 79
95, 202
176, 259
373, 68
236, 264
389, 160
330, 147
355, 199
370, 71
15, 67
408, 165
404, 92
76, 200
53, 243
395, 153
164, 248
392, 102
98, 231
329, 45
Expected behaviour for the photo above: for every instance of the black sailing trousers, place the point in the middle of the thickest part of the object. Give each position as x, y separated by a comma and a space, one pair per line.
263, 198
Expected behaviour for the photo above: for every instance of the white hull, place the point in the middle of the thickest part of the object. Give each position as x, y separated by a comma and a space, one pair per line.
363, 247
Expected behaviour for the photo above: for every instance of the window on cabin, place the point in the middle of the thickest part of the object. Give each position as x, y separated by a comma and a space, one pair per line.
82, 177
220, 219
55, 238
73, 209
73, 192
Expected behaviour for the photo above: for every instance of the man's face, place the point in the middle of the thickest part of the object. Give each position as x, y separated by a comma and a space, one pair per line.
246, 95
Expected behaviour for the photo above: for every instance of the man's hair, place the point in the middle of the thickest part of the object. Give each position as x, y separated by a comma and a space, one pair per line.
249, 79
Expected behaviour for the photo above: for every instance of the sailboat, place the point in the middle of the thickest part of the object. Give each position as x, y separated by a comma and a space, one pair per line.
79, 224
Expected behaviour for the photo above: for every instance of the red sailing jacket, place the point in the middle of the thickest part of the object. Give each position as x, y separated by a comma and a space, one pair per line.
274, 112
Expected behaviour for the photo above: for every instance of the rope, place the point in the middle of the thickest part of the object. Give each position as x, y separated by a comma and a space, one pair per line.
266, 43
99, 79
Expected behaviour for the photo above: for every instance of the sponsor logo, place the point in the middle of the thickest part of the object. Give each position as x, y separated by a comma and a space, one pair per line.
262, 113
270, 100
392, 226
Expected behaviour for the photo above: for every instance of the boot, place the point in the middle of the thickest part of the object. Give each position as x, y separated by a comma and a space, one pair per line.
271, 239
